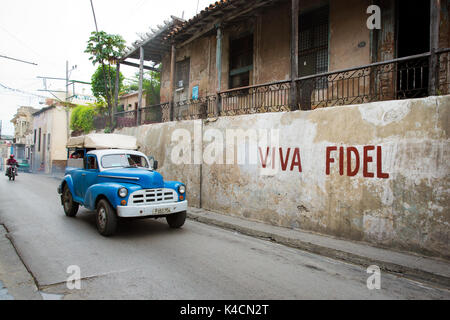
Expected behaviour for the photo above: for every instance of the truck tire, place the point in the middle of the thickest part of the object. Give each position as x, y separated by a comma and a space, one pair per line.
70, 206
176, 220
106, 218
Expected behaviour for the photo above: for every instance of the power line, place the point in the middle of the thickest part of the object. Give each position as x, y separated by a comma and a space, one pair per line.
6, 57
21, 91
19, 40
93, 12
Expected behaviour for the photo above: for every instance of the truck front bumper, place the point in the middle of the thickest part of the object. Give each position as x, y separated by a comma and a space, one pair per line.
151, 210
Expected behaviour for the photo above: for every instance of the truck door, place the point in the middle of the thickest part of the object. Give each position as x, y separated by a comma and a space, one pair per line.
90, 173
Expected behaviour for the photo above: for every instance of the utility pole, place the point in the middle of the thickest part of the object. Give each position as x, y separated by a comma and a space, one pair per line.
67, 97
67, 80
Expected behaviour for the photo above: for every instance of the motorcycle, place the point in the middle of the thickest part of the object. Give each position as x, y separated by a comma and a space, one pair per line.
11, 172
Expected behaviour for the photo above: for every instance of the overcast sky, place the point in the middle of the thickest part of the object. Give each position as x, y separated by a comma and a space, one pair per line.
49, 32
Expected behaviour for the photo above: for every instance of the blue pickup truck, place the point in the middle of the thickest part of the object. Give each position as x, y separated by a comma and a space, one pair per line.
119, 183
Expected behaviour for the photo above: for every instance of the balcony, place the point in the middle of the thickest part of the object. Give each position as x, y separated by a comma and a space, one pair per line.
402, 78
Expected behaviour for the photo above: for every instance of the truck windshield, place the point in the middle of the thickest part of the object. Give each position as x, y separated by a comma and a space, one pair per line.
124, 160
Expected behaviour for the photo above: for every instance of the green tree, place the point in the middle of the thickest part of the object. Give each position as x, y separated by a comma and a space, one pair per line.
105, 49
151, 85
101, 87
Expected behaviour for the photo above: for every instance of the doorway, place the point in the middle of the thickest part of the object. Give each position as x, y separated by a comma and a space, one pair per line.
413, 37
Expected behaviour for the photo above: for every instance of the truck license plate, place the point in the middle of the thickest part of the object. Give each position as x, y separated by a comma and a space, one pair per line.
161, 210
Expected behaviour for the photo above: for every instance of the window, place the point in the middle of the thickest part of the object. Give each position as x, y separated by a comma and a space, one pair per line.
241, 61
48, 141
91, 163
34, 140
182, 73
123, 160
313, 42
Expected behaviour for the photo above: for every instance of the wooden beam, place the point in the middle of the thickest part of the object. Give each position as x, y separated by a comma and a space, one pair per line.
172, 81
138, 66
219, 66
294, 52
435, 13
141, 80
116, 94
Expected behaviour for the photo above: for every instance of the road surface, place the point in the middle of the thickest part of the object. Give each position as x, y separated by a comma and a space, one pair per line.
148, 260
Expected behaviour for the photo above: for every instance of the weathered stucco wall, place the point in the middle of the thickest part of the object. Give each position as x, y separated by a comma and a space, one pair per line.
347, 31
407, 209
271, 30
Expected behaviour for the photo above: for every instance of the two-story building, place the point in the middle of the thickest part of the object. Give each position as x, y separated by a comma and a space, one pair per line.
238, 57
50, 134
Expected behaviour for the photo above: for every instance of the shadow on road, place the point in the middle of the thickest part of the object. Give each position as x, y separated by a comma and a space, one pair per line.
128, 228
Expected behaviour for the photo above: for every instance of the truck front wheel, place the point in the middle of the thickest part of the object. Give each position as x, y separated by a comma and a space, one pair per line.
176, 220
106, 218
70, 207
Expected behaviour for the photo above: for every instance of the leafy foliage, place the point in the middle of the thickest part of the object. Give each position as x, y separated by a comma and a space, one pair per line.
151, 85
102, 87
82, 118
105, 48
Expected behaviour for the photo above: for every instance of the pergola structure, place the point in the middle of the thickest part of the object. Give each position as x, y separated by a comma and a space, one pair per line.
151, 47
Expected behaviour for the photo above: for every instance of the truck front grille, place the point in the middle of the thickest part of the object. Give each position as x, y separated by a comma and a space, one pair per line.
152, 196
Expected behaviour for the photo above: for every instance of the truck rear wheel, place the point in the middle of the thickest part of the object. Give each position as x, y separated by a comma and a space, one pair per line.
106, 218
176, 220
70, 206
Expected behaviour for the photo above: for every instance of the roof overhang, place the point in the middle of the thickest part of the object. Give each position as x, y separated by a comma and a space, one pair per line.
154, 43
220, 13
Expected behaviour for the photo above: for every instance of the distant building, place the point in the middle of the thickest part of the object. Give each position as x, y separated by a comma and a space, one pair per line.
129, 101
5, 149
23, 124
49, 137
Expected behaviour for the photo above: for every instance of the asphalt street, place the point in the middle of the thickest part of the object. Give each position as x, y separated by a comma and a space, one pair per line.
148, 260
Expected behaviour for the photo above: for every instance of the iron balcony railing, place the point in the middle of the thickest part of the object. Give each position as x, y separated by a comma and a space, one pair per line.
401, 78
409, 77
147, 115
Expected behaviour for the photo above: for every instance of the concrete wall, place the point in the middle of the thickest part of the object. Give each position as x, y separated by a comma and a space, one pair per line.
404, 205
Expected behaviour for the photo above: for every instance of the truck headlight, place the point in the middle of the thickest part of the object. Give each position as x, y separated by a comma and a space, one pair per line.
182, 189
123, 192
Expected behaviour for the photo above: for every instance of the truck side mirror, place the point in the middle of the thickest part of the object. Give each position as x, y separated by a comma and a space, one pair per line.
155, 164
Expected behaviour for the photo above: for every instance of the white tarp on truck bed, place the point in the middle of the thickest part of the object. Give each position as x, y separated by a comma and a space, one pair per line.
103, 141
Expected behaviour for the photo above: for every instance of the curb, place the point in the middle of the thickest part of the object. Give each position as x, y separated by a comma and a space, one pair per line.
18, 281
401, 270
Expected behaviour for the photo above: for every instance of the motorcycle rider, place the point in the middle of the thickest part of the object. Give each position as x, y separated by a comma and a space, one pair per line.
11, 162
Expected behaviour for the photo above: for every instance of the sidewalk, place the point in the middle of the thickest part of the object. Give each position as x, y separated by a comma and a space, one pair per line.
432, 270
16, 283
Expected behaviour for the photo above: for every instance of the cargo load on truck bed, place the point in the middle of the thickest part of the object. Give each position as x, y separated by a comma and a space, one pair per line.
103, 141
